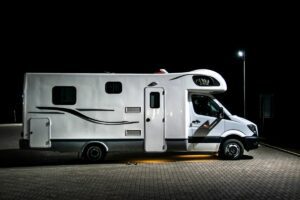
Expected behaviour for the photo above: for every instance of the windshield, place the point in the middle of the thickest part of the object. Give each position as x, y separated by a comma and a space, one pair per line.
220, 104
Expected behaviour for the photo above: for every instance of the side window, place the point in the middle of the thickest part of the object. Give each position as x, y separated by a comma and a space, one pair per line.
113, 87
64, 95
204, 105
154, 100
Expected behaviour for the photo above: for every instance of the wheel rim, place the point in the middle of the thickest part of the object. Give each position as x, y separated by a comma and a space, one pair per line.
94, 153
232, 150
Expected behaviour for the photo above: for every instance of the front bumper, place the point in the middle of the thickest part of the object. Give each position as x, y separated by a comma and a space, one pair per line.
251, 142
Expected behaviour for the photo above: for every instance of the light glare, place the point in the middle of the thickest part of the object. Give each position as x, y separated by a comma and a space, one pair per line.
240, 53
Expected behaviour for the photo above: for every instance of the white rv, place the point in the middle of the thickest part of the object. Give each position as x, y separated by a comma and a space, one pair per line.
98, 113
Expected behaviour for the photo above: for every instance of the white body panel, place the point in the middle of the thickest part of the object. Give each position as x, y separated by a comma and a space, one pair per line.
204, 147
99, 116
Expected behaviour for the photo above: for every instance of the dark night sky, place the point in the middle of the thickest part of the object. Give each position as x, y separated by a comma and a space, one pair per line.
181, 42
219, 57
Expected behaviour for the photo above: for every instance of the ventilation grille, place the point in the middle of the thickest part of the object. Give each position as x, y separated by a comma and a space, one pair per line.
132, 109
133, 133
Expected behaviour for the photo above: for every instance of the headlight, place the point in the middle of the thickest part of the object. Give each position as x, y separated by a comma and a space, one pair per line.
252, 128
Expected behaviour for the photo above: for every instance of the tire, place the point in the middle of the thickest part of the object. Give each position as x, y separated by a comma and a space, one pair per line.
94, 153
232, 149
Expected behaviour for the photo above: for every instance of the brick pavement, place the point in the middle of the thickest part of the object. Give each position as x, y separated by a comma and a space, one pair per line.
264, 174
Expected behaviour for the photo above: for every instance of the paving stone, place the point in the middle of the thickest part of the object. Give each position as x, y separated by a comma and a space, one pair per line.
264, 173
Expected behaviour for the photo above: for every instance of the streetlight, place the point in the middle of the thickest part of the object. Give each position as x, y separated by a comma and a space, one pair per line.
242, 55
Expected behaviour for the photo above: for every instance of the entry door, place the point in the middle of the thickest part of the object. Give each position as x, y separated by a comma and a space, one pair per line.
39, 133
154, 120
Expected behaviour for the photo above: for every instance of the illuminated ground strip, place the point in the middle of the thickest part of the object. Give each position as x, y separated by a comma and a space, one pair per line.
162, 158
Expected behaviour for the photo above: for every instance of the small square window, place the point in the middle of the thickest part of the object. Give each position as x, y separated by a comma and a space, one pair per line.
113, 87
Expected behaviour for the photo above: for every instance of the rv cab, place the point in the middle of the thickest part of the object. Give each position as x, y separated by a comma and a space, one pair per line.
209, 118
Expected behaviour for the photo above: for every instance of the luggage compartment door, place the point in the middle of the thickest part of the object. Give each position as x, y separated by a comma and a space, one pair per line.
39, 130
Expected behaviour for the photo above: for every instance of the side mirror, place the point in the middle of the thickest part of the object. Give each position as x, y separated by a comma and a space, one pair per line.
221, 113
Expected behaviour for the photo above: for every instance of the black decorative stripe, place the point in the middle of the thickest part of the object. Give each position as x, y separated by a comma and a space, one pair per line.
78, 114
180, 76
93, 109
205, 128
46, 113
175, 139
210, 139
214, 123
152, 84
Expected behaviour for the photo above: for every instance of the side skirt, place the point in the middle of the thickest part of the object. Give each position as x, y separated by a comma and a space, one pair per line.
76, 145
135, 145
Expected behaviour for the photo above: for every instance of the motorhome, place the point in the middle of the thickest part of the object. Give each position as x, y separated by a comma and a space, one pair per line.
94, 114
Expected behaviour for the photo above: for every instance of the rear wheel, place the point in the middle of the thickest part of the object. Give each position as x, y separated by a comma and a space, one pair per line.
232, 149
94, 153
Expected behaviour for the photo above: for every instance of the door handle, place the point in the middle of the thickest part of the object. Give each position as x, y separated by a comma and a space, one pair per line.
148, 120
196, 122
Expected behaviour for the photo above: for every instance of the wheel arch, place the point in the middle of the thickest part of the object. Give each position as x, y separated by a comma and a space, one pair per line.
98, 143
232, 134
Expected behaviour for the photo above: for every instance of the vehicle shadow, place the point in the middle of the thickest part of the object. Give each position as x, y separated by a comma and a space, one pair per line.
28, 158
246, 157
23, 158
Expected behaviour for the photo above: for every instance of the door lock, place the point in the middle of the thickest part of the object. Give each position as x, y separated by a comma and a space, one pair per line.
148, 120
196, 122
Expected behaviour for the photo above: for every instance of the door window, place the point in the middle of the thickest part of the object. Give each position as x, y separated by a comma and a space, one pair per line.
154, 100
203, 105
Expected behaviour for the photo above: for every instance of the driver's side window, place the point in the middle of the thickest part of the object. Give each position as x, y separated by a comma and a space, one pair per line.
203, 105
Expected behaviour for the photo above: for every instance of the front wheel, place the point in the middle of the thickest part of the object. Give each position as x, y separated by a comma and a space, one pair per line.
231, 149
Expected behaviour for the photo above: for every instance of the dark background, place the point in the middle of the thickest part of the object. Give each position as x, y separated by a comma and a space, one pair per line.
68, 40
